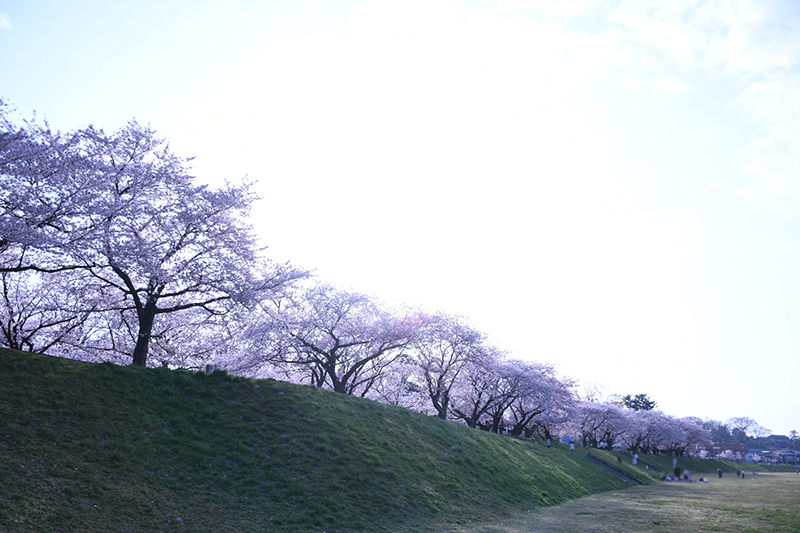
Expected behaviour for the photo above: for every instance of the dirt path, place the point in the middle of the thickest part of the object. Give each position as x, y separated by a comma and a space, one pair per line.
767, 502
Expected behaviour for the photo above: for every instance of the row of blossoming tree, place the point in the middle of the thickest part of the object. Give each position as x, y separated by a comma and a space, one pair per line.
111, 251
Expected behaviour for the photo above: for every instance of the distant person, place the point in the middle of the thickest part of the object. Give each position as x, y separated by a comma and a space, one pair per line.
571, 444
719, 472
743, 472
548, 443
635, 459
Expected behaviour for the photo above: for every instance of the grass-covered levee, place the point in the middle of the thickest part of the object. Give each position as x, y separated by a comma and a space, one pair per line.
98, 447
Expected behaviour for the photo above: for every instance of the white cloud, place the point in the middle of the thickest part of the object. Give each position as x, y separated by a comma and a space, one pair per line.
772, 158
599, 112
449, 140
5, 24
442, 82
552, 8
670, 84
751, 43
775, 101
747, 36
629, 83
564, 8
759, 36
661, 26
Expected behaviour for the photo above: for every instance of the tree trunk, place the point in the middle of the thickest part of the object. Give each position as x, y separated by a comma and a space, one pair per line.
339, 385
441, 408
439, 397
146, 318
496, 420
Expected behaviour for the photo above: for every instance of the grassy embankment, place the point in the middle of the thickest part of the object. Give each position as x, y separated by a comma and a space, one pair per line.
88, 447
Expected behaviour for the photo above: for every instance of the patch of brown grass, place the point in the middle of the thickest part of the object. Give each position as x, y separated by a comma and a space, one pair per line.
766, 502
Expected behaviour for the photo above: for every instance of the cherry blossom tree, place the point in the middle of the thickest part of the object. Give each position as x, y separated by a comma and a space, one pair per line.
495, 391
338, 339
42, 175
730, 455
597, 424
124, 211
671, 437
514, 381
480, 389
641, 429
695, 436
36, 316
656, 432
543, 401
401, 387
441, 351
555, 420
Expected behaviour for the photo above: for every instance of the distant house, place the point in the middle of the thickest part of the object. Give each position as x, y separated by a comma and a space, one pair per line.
719, 447
789, 457
777, 441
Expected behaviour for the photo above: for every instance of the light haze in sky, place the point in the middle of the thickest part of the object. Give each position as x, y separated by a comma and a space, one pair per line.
609, 186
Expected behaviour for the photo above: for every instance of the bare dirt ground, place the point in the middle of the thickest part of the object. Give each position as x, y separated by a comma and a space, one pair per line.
761, 503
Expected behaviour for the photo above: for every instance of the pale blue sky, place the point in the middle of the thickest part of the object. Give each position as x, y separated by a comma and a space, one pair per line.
610, 186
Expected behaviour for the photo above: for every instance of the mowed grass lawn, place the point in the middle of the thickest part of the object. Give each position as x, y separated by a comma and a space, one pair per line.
766, 502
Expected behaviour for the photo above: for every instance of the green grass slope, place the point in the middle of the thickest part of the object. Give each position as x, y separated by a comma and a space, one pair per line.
97, 447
